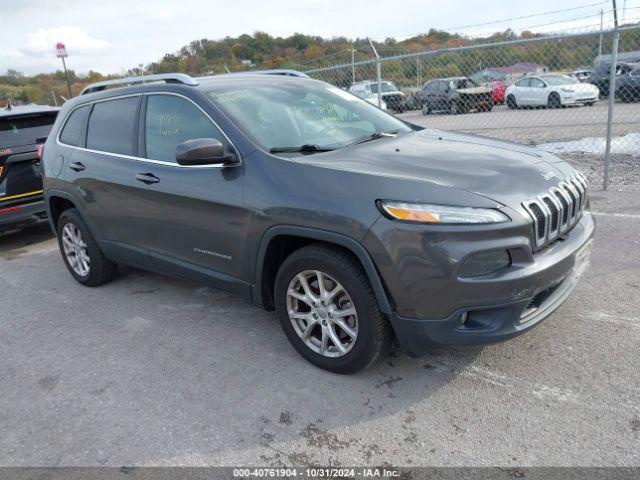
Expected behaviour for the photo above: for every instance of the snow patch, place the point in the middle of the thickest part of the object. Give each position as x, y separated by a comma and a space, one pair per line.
626, 145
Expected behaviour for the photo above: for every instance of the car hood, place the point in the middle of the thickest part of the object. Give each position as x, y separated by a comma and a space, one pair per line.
506, 172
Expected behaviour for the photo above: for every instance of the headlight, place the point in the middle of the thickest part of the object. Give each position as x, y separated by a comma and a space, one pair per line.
568, 90
441, 214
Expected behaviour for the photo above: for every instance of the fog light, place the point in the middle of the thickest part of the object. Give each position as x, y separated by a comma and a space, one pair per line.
485, 263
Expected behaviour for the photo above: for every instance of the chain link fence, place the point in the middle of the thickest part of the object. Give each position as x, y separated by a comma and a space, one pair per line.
551, 91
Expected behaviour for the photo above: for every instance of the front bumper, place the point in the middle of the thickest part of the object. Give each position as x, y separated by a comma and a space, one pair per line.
434, 307
577, 99
23, 215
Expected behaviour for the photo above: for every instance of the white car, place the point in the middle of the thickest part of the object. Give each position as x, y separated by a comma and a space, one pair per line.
551, 90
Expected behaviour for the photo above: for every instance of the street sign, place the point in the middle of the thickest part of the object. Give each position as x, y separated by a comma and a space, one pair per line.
61, 50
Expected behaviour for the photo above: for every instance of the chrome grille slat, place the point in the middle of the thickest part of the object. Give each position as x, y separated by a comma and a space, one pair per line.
557, 210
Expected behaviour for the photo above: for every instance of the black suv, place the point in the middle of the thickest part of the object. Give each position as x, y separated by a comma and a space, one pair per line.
455, 95
600, 76
23, 129
356, 227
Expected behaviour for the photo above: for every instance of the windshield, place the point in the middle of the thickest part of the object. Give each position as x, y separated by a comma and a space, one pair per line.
384, 87
560, 80
301, 113
464, 83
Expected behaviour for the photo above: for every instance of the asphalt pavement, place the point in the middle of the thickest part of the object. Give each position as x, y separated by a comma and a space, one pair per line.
150, 370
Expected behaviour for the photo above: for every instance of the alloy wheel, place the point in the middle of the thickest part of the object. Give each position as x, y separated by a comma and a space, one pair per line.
322, 313
75, 249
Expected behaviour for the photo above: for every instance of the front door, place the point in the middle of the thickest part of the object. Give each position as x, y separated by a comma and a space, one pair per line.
191, 219
539, 92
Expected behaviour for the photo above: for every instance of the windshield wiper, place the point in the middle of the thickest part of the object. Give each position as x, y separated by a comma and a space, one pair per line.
306, 148
374, 136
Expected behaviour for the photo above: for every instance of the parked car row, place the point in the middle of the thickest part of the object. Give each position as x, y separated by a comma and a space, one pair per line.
461, 94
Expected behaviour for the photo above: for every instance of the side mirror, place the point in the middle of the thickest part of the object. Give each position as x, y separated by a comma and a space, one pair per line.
203, 151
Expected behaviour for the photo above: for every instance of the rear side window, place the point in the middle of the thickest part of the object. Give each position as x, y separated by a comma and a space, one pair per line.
74, 126
25, 129
112, 126
171, 120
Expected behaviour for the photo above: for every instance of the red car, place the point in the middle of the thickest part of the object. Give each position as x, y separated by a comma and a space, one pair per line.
498, 88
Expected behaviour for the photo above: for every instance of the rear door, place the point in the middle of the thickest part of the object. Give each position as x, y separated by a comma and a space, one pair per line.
20, 180
97, 163
191, 219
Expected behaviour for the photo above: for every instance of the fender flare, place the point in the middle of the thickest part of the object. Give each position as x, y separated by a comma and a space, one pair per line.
52, 192
344, 241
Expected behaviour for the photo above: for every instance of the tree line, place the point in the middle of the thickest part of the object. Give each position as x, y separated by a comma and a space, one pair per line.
303, 52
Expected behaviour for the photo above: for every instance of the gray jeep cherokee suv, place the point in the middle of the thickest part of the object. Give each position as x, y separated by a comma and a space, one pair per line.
356, 227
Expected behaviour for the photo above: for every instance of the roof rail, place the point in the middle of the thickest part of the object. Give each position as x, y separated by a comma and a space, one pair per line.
163, 77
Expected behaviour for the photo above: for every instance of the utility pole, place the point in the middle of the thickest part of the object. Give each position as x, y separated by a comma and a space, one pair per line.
61, 52
600, 39
612, 91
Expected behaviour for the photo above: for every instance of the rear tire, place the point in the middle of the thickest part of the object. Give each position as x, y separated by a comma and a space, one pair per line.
425, 109
511, 102
454, 108
367, 335
80, 252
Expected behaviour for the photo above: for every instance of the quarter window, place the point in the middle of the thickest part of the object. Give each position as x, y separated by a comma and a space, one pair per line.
112, 126
74, 127
171, 120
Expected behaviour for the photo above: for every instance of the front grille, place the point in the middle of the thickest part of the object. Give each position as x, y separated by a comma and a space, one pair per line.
557, 210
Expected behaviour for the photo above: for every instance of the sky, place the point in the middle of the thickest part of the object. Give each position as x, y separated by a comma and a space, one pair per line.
114, 35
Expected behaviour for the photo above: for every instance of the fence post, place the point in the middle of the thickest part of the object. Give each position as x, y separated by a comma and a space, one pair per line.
378, 73
612, 91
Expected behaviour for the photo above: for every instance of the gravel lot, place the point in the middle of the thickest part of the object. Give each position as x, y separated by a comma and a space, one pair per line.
150, 370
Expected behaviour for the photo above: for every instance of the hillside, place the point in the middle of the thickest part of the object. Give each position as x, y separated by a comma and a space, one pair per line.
299, 51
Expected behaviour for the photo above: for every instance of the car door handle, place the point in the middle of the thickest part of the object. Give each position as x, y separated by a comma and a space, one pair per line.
147, 178
77, 166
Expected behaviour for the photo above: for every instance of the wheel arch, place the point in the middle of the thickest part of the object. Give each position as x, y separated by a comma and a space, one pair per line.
57, 202
274, 248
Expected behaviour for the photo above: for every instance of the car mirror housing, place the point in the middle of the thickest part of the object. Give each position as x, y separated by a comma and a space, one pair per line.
203, 151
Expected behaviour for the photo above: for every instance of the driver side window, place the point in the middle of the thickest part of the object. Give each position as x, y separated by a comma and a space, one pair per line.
525, 82
171, 120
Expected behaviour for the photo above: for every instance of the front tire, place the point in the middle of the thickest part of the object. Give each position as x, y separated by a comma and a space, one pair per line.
511, 102
80, 252
554, 100
328, 310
